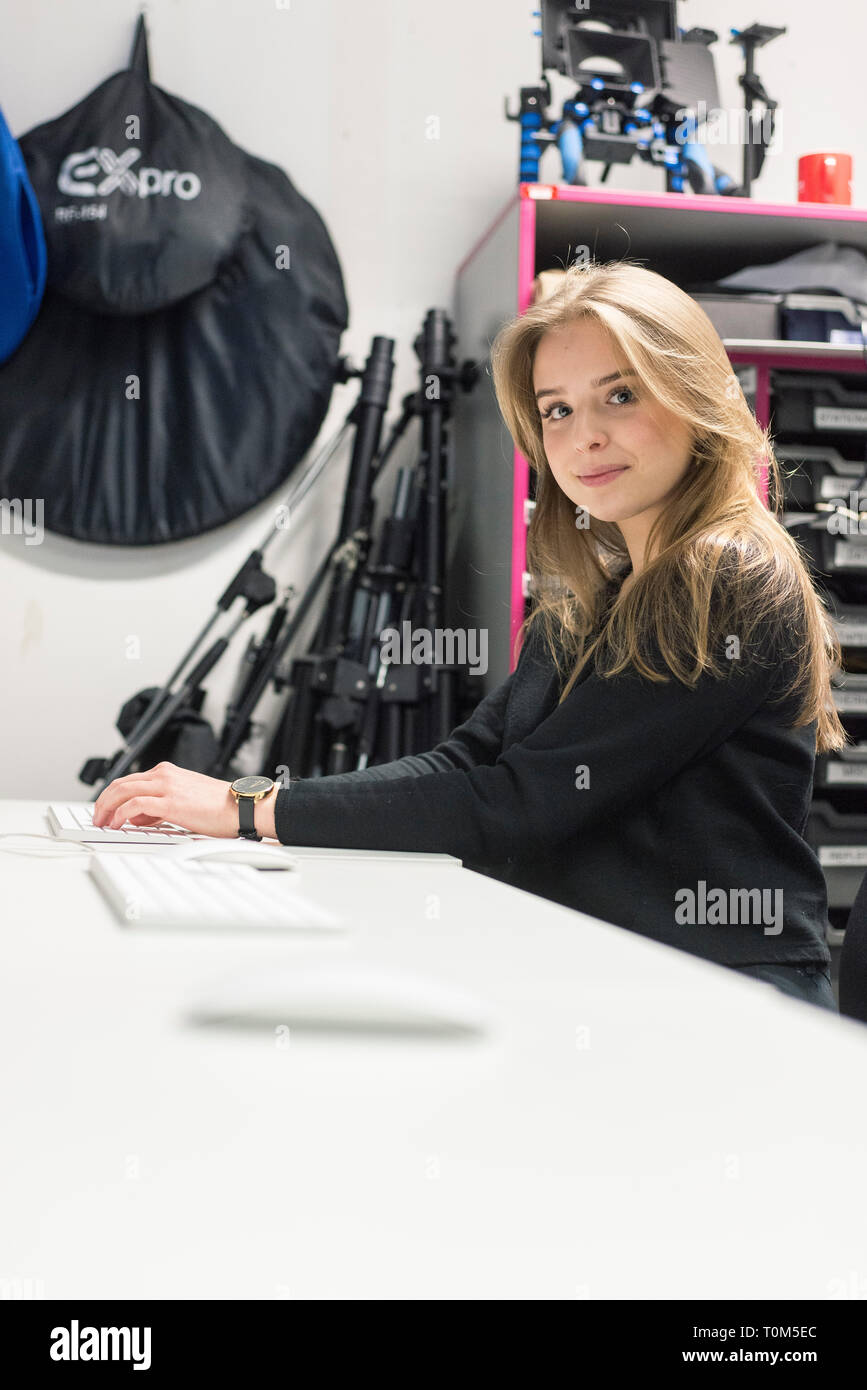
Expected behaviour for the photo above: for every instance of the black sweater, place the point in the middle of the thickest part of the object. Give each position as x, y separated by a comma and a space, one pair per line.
633, 801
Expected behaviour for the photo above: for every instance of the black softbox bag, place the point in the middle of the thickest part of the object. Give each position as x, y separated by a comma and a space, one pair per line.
135, 224
136, 428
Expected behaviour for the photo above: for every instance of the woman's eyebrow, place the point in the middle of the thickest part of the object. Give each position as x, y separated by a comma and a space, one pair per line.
603, 381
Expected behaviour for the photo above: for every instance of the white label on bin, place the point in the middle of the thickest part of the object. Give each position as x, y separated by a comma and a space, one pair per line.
852, 634
850, 555
843, 856
850, 701
831, 486
845, 772
834, 417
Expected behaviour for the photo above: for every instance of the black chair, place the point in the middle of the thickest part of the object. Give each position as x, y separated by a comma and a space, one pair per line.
853, 959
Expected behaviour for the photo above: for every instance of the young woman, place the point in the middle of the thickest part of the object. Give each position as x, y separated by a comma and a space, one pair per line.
650, 759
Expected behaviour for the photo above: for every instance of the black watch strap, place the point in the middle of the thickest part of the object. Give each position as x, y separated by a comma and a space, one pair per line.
246, 818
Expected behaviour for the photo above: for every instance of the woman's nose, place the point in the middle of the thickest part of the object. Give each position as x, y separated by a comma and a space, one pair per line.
586, 440
587, 431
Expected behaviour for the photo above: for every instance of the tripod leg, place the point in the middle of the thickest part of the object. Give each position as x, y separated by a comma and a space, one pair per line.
442, 706
289, 746
390, 741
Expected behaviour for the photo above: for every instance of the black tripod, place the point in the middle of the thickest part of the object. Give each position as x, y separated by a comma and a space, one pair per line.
347, 704
343, 556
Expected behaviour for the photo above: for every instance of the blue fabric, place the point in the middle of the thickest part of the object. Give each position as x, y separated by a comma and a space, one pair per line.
22, 247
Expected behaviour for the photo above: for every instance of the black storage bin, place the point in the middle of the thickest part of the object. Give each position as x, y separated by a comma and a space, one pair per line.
820, 318
807, 402
838, 564
818, 474
850, 623
840, 842
845, 562
841, 778
849, 690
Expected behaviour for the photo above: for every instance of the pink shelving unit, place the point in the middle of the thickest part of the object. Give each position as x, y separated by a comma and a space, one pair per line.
688, 238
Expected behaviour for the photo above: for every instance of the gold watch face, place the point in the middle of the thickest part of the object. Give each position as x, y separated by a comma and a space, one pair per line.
252, 786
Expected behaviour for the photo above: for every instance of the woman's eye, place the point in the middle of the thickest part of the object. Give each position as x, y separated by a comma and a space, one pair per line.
549, 414
624, 391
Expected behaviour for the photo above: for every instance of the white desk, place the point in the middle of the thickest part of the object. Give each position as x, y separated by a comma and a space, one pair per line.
639, 1124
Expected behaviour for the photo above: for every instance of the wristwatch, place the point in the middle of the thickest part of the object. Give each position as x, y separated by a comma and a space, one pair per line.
247, 791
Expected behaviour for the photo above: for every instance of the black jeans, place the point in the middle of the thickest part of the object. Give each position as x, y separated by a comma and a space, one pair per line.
811, 983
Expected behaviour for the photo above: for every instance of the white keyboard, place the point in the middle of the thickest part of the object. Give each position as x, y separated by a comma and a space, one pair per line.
157, 891
74, 821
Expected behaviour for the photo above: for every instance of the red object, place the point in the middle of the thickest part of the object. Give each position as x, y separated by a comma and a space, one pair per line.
825, 178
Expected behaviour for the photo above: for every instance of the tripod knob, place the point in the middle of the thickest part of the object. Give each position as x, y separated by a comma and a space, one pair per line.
468, 374
344, 370
94, 770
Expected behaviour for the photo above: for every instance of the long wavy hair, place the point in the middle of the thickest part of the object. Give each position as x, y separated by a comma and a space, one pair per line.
714, 537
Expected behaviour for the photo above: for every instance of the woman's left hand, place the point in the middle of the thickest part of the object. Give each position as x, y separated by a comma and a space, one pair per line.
201, 804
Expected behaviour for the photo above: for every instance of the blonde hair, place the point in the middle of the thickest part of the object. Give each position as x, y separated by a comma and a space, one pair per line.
714, 539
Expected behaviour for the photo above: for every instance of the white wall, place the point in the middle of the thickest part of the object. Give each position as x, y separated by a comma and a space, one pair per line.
338, 93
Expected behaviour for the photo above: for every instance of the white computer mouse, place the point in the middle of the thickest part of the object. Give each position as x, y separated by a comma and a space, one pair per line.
239, 851
341, 997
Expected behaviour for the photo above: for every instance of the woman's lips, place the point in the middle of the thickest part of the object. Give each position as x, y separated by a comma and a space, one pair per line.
601, 478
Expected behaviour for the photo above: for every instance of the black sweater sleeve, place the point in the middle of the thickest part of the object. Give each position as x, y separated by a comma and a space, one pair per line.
477, 741
612, 741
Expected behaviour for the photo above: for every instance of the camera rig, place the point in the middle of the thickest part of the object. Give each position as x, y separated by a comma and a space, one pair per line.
644, 87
